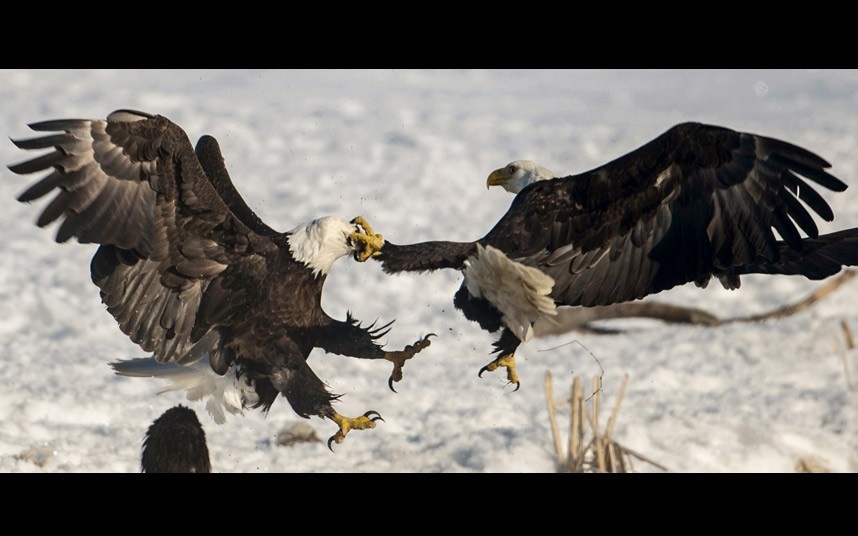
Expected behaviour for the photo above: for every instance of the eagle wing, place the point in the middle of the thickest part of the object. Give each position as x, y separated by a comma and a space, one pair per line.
174, 233
696, 201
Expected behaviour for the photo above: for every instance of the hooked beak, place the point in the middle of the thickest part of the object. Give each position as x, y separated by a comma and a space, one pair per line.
497, 177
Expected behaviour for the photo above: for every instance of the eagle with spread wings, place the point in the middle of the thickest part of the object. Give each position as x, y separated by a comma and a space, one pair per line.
695, 202
189, 271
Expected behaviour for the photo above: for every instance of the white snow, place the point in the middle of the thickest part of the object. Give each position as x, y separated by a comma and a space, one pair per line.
410, 151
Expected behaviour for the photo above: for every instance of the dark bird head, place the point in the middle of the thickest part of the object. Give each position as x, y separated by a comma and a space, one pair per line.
176, 443
516, 176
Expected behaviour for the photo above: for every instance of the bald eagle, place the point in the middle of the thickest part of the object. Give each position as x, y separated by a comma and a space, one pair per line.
189, 271
697, 201
175, 443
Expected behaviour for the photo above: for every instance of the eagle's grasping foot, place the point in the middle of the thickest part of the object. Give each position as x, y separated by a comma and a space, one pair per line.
399, 357
367, 420
371, 241
364, 422
507, 361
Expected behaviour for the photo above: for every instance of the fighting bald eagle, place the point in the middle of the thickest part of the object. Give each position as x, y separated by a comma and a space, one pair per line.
188, 270
697, 201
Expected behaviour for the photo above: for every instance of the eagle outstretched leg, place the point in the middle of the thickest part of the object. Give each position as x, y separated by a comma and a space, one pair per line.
308, 395
364, 422
506, 346
351, 339
397, 357
370, 241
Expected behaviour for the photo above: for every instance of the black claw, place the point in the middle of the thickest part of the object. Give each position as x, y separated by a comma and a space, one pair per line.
480, 373
330, 440
388, 324
375, 335
390, 383
426, 338
517, 385
374, 413
384, 326
380, 331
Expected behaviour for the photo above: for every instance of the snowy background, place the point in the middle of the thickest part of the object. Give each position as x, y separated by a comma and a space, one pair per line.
410, 151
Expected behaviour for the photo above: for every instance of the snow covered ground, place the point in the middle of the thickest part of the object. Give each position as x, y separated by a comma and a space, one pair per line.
410, 151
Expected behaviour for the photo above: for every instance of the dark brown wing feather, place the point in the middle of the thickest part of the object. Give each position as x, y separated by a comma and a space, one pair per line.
698, 200
175, 443
424, 256
169, 231
211, 159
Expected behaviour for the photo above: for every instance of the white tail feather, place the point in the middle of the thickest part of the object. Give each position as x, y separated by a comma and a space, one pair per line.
521, 293
228, 393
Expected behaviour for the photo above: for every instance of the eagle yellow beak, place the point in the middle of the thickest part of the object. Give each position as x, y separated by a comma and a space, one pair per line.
497, 178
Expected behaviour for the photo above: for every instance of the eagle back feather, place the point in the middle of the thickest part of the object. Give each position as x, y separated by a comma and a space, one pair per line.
697, 200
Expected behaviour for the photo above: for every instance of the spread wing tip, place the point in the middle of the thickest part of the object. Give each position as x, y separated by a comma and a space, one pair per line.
57, 124
803, 162
794, 152
36, 164
120, 116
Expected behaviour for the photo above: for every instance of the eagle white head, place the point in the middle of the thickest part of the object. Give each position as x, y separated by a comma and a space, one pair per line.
515, 176
320, 243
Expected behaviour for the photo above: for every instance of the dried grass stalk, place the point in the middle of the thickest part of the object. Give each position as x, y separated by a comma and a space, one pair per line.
847, 373
602, 453
552, 417
575, 457
609, 431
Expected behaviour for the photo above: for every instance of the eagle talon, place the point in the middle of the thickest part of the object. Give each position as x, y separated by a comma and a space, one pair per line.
376, 416
364, 422
507, 361
370, 241
398, 358
363, 224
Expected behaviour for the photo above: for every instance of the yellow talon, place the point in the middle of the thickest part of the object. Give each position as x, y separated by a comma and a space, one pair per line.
359, 220
398, 358
372, 242
507, 361
364, 422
